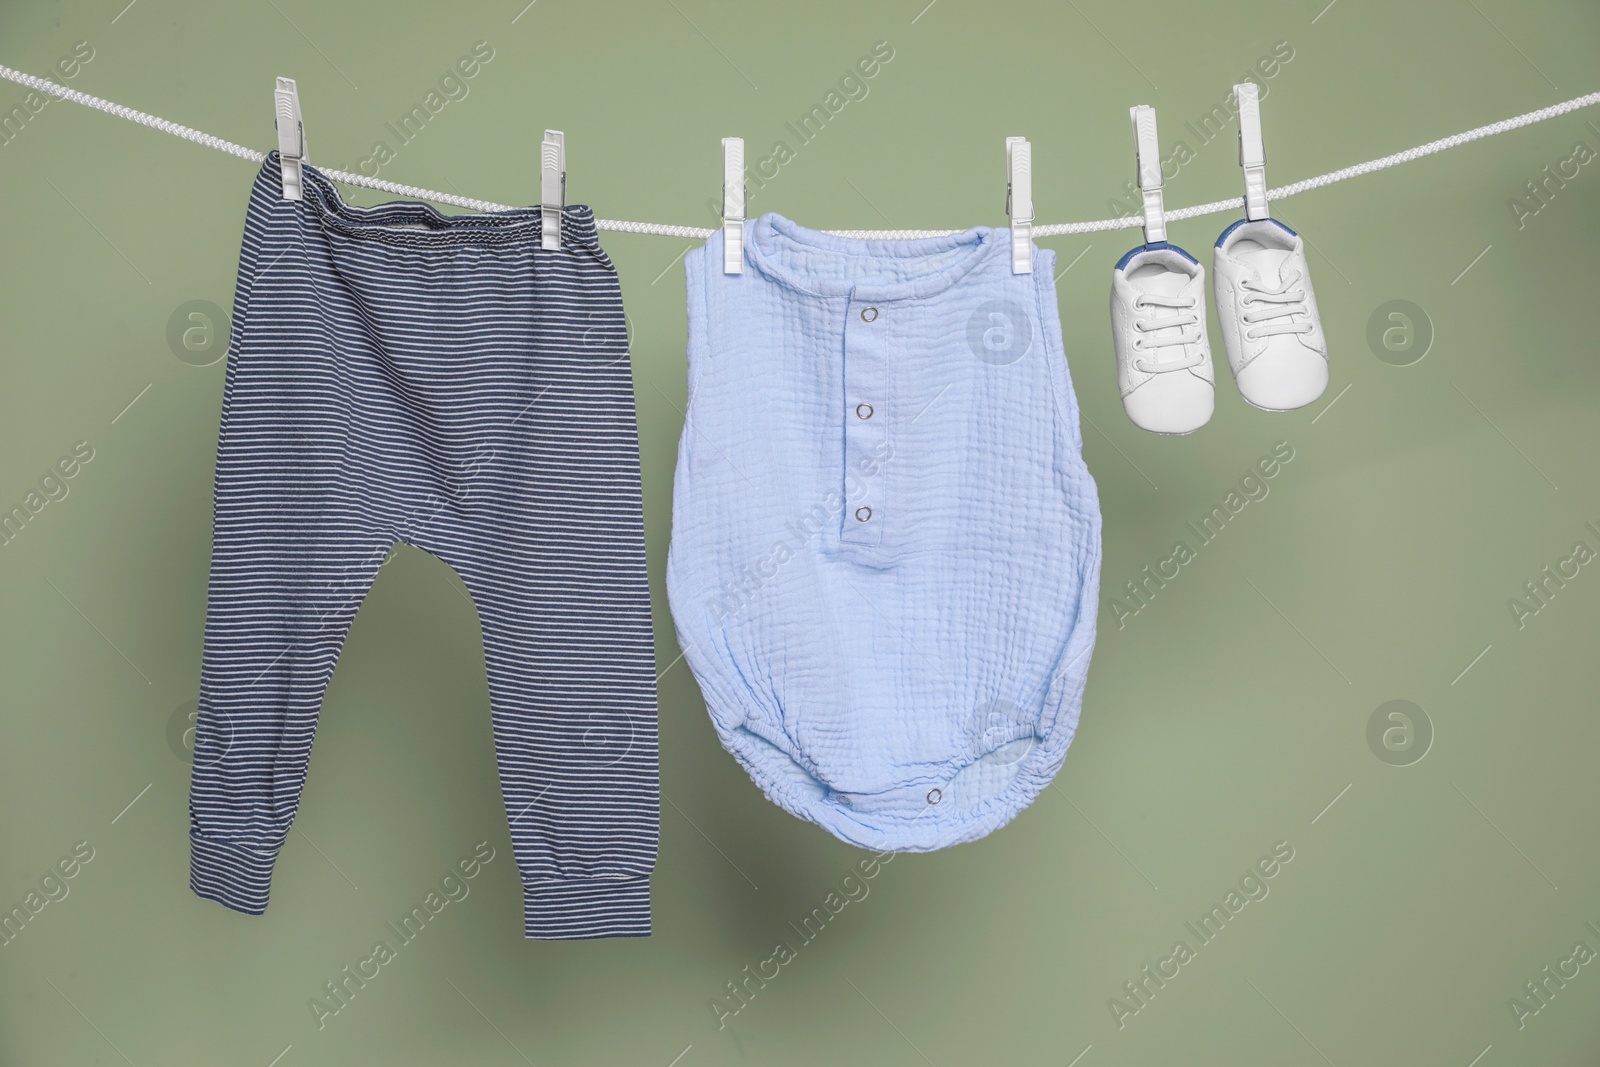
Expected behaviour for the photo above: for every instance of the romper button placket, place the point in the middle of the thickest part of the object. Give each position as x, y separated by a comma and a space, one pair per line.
866, 375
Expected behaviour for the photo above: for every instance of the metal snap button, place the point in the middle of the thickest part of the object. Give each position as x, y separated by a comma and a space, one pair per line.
863, 513
934, 796
863, 411
868, 314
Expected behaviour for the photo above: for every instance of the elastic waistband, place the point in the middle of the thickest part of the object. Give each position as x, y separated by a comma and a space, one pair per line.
417, 224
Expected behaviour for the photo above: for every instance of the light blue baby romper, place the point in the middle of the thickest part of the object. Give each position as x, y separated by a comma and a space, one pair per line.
885, 551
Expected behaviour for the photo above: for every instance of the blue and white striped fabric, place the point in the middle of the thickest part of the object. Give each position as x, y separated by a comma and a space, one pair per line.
399, 375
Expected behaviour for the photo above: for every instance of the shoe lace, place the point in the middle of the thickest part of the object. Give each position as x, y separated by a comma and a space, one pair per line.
1279, 306
1176, 330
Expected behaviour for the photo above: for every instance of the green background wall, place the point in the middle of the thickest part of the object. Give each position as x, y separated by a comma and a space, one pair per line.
1229, 714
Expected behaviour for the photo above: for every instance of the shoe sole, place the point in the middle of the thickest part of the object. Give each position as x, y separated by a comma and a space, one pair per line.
1280, 411
1178, 433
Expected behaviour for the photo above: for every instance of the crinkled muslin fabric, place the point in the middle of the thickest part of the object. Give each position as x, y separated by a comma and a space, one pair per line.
885, 553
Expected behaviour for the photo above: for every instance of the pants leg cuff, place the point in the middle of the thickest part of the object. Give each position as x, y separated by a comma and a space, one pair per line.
577, 909
232, 875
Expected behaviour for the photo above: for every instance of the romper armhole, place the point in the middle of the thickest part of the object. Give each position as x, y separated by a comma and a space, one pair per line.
698, 346
1056, 366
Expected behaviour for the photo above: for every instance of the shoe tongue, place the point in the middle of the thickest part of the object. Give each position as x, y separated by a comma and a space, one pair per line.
1163, 283
1161, 273
1266, 265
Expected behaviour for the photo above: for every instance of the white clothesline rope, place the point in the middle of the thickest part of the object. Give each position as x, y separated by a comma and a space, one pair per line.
701, 232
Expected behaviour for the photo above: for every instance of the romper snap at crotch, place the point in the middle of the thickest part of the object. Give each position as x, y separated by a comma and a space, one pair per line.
885, 551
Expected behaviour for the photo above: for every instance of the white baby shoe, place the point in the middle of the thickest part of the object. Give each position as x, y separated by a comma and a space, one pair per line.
1158, 329
1268, 315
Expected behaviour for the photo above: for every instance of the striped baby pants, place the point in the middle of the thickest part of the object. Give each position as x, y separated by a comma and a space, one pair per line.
396, 374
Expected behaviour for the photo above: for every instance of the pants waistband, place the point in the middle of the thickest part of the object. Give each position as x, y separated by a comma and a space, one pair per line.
414, 223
